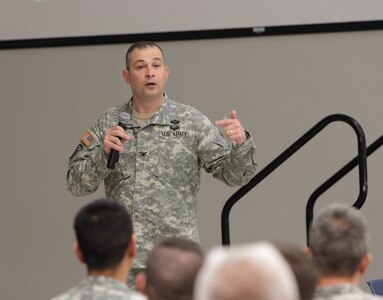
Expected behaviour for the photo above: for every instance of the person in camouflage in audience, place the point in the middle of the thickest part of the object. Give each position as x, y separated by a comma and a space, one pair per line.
171, 270
106, 244
338, 245
161, 152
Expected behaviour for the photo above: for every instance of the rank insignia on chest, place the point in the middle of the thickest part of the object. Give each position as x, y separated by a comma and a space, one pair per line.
87, 138
175, 125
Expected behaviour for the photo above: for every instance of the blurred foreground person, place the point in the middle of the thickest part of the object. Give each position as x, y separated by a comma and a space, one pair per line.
171, 269
249, 272
305, 272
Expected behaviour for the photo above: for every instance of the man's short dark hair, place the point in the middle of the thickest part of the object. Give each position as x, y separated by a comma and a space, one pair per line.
305, 272
171, 269
338, 240
103, 229
140, 45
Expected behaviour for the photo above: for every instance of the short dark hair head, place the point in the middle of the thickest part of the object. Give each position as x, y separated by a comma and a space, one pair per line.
103, 230
140, 45
304, 270
171, 269
338, 240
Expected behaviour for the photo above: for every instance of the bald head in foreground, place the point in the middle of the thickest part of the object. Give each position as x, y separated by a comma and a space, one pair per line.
252, 272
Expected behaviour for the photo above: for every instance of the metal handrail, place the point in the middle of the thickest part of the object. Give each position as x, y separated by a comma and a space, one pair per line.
334, 179
225, 227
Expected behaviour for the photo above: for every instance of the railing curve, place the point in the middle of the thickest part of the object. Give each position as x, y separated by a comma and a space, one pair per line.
334, 179
225, 226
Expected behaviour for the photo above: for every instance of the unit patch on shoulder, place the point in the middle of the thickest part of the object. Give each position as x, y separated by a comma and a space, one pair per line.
87, 138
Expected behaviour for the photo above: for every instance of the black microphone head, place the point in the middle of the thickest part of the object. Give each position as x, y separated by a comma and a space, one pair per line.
124, 118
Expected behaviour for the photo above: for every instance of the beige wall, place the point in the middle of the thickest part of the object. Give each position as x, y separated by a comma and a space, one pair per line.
26, 19
281, 86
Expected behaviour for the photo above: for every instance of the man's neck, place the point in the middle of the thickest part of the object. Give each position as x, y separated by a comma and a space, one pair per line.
147, 105
336, 280
119, 273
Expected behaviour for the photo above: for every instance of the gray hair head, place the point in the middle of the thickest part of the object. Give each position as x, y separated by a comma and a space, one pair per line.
253, 272
338, 240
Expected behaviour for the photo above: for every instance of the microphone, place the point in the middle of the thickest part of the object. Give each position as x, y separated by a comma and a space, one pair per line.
114, 155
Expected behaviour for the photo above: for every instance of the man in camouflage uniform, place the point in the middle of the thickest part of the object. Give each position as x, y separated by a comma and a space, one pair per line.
105, 242
339, 248
161, 153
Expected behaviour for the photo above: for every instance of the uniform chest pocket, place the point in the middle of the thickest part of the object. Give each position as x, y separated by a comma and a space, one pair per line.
126, 164
171, 159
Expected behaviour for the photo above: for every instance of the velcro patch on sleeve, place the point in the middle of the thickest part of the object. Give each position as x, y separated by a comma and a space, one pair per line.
87, 138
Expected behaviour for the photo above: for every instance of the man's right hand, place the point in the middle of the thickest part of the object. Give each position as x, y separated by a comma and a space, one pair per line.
114, 139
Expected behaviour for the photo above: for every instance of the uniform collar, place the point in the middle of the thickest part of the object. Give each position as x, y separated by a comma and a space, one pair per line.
161, 117
337, 289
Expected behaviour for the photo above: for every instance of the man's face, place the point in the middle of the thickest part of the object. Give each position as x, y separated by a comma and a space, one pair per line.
147, 73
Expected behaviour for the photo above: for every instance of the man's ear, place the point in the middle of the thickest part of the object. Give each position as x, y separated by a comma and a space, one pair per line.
132, 249
307, 250
167, 71
141, 283
125, 75
365, 263
78, 252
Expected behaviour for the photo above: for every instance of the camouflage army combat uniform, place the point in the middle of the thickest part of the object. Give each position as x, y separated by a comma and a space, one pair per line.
158, 174
342, 292
101, 288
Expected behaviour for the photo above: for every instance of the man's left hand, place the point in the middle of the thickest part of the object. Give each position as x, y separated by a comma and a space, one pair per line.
233, 128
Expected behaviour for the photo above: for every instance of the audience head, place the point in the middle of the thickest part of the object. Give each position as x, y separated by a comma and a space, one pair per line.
339, 241
251, 272
104, 234
171, 269
306, 274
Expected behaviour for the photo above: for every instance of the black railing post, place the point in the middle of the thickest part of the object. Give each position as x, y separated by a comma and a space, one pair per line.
334, 179
225, 226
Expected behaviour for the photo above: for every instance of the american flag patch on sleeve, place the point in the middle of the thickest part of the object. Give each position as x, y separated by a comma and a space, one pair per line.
87, 138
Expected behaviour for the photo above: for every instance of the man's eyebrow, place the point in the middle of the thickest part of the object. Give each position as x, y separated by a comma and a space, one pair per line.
142, 60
